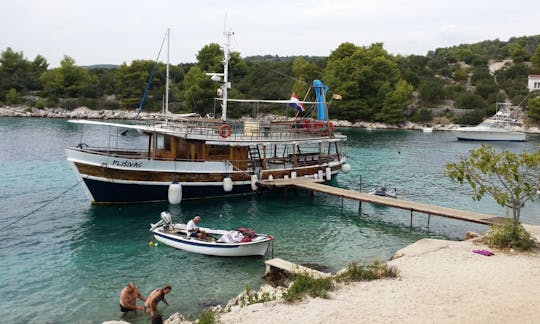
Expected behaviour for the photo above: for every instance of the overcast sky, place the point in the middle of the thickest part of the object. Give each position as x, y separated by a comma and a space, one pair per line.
117, 31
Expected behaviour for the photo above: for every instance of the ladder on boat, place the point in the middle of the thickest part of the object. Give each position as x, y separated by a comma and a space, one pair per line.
255, 156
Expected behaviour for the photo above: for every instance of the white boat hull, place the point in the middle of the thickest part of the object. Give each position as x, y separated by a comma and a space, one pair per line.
257, 246
487, 134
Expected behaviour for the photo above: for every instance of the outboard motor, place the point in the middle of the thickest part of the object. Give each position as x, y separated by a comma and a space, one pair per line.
166, 218
166, 221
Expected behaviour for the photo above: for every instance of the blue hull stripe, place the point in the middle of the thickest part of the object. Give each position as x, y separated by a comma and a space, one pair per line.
195, 243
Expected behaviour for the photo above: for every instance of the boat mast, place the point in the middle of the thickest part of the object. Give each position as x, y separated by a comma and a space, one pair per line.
167, 79
226, 84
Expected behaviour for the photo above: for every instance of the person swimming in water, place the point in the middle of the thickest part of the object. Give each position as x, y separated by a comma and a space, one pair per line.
155, 297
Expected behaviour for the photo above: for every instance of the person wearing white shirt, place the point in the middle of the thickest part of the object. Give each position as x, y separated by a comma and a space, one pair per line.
193, 230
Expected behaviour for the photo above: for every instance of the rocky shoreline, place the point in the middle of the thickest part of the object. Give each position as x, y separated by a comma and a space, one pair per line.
439, 281
86, 113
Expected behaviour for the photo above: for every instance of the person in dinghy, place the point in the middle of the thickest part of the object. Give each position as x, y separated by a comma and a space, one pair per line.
193, 230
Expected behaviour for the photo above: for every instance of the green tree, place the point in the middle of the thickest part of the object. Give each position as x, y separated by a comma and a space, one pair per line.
469, 100
198, 91
209, 58
517, 52
534, 108
511, 179
131, 81
535, 60
432, 91
68, 80
304, 73
362, 76
395, 102
12, 96
14, 72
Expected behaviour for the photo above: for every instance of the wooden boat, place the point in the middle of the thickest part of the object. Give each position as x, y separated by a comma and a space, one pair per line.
208, 157
175, 235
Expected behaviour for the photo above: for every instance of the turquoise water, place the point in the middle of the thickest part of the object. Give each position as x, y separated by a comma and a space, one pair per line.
68, 261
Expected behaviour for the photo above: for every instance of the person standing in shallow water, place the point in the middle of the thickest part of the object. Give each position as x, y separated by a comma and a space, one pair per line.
128, 298
155, 297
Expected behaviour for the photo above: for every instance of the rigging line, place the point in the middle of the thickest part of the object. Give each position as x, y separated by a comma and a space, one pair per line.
40, 207
154, 67
275, 71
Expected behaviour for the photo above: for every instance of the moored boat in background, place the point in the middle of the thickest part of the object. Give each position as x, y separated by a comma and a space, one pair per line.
500, 127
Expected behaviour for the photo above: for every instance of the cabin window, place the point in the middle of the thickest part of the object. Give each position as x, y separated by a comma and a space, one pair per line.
217, 150
163, 142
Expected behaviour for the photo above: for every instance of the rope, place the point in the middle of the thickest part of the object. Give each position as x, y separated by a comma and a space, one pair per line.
40, 207
275, 71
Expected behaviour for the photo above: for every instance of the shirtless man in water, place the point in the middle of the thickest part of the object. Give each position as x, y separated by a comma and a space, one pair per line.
128, 298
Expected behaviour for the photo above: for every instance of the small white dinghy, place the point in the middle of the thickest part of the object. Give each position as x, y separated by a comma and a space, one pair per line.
384, 192
217, 242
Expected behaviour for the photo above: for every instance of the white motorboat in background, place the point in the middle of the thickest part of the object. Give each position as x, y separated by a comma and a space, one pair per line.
217, 243
500, 127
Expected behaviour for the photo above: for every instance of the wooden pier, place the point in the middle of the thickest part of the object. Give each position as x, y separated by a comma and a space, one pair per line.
284, 183
411, 206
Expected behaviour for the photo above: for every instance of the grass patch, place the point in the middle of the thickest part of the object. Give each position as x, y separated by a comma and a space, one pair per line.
253, 297
376, 270
511, 234
208, 317
304, 285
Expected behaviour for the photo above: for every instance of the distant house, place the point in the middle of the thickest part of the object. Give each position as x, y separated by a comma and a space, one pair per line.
534, 82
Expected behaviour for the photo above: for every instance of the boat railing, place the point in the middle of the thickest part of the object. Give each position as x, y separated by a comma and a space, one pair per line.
250, 129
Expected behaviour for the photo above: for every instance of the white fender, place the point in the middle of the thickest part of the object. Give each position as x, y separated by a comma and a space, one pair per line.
328, 174
175, 193
254, 182
345, 167
227, 184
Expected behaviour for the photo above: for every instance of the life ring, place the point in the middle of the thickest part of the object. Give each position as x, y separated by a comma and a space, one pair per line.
224, 130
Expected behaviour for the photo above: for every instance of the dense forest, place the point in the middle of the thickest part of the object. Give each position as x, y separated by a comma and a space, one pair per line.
454, 83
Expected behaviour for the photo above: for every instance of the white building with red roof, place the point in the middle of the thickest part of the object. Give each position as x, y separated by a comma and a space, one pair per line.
534, 82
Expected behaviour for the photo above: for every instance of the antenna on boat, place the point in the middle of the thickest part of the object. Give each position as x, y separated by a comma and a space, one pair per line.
167, 78
226, 84
217, 77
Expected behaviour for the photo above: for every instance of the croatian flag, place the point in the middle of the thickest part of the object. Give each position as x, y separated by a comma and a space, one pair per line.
295, 103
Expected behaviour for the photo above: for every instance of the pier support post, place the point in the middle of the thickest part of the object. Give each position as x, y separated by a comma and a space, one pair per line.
411, 219
428, 219
360, 190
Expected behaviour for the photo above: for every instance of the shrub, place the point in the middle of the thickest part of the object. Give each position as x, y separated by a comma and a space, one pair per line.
305, 285
40, 103
468, 100
208, 317
12, 96
376, 270
471, 118
253, 297
422, 115
511, 234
